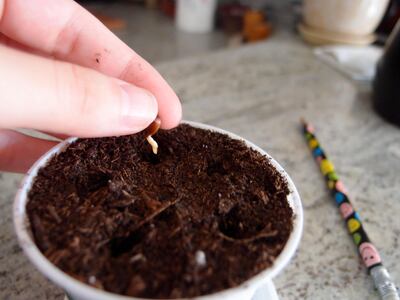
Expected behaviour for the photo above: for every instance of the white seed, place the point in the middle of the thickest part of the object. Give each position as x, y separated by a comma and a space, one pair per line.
153, 143
137, 257
200, 257
92, 279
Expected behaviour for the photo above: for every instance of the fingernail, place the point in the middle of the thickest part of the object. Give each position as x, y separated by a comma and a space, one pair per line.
138, 108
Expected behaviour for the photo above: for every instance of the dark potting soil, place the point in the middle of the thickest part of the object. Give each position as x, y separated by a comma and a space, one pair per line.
203, 215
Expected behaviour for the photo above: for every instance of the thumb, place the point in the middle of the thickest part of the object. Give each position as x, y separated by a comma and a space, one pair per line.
50, 95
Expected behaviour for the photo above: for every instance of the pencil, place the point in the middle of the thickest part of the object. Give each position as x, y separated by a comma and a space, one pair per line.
366, 249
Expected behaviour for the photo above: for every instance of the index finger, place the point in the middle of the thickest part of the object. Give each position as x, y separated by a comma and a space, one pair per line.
68, 32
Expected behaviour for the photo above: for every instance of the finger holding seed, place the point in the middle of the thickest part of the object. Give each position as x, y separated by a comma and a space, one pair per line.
152, 130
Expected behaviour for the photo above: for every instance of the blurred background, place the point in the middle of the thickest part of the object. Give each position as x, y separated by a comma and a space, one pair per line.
162, 30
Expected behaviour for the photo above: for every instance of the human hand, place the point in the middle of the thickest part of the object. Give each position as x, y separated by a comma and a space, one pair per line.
63, 72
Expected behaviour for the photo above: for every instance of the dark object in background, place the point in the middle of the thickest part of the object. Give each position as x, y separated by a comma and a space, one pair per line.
390, 18
388, 22
386, 86
110, 22
168, 7
230, 17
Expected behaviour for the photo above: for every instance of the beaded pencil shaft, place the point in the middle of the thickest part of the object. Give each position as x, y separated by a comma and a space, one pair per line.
366, 249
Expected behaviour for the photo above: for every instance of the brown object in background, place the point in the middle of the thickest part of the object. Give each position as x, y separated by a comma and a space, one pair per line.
152, 4
205, 214
168, 7
110, 22
252, 18
259, 32
256, 28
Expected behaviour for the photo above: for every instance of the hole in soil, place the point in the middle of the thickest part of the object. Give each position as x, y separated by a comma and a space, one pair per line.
215, 167
169, 217
152, 158
240, 224
92, 182
229, 224
121, 245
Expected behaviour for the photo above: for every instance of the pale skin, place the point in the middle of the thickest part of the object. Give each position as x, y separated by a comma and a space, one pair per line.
63, 72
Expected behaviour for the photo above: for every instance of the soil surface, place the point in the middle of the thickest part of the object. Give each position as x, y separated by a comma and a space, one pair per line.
204, 214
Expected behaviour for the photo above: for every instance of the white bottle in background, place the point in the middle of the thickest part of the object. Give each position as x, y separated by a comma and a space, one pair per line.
196, 15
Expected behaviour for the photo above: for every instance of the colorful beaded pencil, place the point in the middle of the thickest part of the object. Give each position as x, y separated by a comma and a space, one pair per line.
366, 249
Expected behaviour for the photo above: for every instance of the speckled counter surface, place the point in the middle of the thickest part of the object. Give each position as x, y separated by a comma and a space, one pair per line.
260, 92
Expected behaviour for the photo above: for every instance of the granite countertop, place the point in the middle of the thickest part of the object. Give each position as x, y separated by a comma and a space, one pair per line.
260, 92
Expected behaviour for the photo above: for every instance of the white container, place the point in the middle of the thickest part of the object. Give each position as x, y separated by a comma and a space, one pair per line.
196, 16
348, 17
259, 286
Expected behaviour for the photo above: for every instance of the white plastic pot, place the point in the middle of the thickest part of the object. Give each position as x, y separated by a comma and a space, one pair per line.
196, 15
259, 286
348, 17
